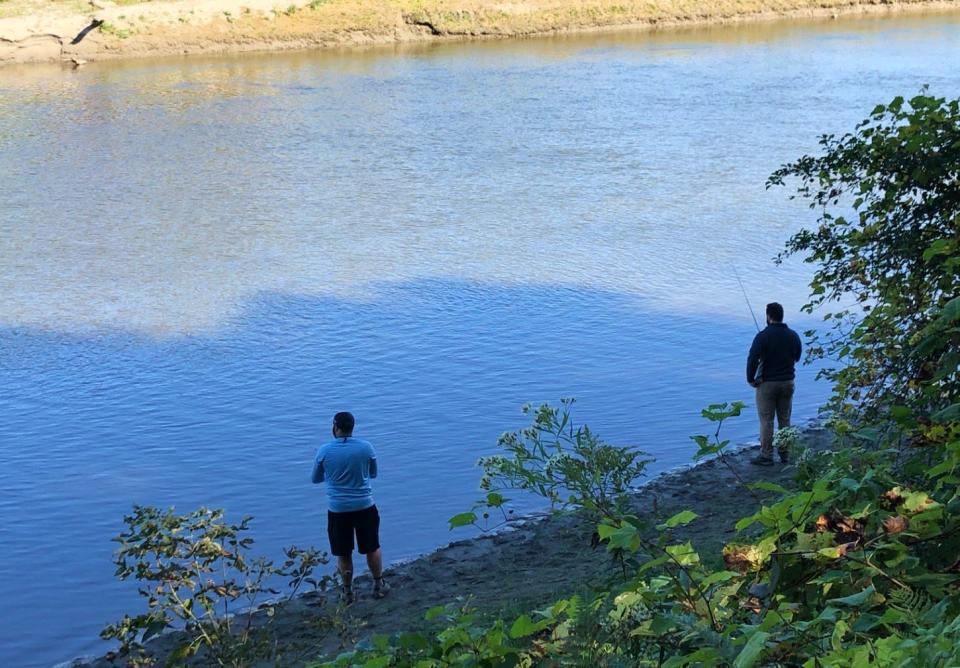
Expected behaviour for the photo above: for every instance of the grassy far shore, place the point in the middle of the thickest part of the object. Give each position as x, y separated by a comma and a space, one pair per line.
61, 30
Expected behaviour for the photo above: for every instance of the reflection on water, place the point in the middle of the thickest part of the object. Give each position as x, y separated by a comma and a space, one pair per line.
203, 259
618, 162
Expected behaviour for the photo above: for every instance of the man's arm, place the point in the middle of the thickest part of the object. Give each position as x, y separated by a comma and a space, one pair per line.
753, 360
373, 463
799, 347
317, 475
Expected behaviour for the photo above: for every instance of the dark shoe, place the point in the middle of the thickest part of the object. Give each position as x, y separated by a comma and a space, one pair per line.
346, 596
762, 461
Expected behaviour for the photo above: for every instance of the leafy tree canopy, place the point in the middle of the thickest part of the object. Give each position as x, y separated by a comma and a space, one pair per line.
886, 250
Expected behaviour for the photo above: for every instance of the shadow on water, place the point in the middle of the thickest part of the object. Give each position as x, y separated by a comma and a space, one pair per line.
434, 370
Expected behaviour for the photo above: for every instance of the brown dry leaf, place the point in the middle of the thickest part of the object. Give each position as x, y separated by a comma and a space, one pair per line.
539, 648
853, 537
844, 524
845, 528
736, 558
892, 498
895, 524
843, 548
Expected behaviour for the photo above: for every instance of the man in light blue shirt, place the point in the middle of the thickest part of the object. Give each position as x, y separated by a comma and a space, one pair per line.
346, 465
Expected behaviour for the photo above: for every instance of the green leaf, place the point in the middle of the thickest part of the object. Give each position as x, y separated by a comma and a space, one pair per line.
154, 628
705, 446
651, 564
768, 486
858, 599
938, 247
751, 652
413, 641
624, 537
949, 414
836, 638
828, 614
495, 500
605, 530
463, 519
950, 312
935, 583
377, 662
682, 518
719, 576
866, 623
900, 413
834, 552
182, 651
524, 626
684, 554
918, 501
705, 656
434, 612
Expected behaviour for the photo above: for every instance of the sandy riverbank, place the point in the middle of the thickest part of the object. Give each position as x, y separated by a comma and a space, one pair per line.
542, 559
88, 30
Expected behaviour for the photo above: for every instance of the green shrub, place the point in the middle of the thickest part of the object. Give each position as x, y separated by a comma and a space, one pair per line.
897, 258
196, 577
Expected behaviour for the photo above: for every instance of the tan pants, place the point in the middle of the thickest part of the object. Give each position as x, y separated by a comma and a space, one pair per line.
774, 397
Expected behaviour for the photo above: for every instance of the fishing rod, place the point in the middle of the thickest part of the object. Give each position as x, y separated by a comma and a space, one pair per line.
759, 374
747, 299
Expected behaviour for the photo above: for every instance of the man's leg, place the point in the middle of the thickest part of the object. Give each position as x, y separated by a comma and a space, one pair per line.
368, 542
766, 407
345, 567
375, 563
784, 404
784, 410
340, 533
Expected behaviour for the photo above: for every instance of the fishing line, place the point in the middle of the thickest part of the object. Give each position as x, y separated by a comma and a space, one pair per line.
747, 299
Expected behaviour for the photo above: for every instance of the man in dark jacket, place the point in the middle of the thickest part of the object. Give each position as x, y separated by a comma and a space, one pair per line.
770, 369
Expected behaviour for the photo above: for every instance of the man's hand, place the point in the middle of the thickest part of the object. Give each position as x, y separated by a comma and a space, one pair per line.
755, 383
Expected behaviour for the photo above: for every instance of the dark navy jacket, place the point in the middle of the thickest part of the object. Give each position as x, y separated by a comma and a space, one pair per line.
774, 352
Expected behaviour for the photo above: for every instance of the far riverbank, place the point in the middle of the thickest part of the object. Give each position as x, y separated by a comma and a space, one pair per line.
75, 31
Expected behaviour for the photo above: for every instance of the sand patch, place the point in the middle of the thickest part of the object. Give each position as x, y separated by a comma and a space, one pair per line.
32, 31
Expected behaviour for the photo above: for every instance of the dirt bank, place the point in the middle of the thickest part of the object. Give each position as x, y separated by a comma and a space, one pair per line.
542, 559
88, 30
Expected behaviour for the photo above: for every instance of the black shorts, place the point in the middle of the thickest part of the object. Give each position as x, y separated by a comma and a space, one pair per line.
341, 527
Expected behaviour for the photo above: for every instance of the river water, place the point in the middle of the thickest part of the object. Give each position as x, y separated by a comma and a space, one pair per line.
203, 259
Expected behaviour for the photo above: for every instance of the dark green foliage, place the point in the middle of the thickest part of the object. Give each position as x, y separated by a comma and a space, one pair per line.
887, 247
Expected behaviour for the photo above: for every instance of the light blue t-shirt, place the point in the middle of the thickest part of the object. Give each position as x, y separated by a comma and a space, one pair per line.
346, 466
